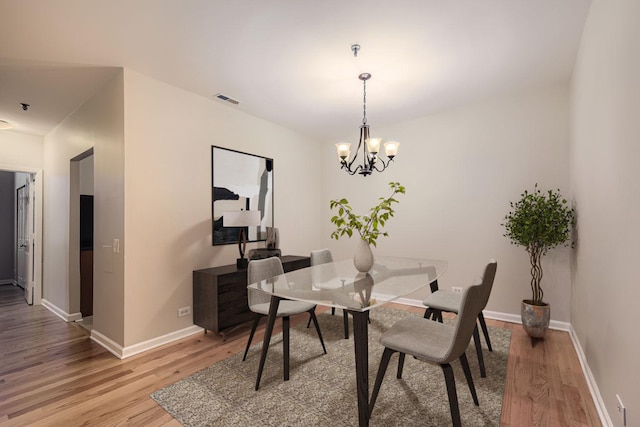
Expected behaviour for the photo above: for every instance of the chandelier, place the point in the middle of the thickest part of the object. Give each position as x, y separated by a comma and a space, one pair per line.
371, 160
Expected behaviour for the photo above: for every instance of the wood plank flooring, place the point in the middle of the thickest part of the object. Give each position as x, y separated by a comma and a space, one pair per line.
52, 374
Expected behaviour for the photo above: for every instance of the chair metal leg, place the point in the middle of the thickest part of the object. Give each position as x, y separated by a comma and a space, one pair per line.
309, 322
400, 365
433, 314
434, 286
333, 311
476, 341
285, 346
485, 331
256, 320
384, 362
467, 373
315, 322
453, 396
345, 319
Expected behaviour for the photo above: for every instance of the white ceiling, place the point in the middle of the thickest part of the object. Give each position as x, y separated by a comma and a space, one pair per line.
287, 61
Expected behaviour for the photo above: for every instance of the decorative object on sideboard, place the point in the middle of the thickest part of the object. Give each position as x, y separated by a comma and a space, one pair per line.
369, 227
272, 246
240, 182
273, 238
241, 220
262, 253
539, 221
371, 160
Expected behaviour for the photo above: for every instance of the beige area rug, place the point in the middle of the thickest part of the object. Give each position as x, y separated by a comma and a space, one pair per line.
322, 391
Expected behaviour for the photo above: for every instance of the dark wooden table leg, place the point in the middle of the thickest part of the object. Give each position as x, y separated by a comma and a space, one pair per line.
271, 321
361, 347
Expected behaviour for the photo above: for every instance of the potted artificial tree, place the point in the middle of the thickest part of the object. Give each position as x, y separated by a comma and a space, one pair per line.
368, 227
539, 221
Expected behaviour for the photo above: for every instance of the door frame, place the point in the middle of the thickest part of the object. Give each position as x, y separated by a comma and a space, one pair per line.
74, 233
36, 227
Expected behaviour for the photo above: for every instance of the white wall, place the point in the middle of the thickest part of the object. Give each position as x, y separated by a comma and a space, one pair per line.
20, 150
99, 123
605, 181
169, 134
461, 168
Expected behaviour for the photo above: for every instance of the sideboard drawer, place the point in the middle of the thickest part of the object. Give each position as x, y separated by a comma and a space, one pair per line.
220, 294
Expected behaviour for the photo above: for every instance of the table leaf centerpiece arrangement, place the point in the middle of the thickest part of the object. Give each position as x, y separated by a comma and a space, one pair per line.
368, 227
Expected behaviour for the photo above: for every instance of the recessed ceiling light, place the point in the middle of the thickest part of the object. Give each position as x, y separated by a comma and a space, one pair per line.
5, 125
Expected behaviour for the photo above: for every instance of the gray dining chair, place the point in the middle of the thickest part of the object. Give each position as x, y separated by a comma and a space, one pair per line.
259, 303
441, 301
438, 343
323, 256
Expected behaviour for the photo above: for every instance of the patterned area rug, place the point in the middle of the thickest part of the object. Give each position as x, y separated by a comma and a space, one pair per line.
322, 391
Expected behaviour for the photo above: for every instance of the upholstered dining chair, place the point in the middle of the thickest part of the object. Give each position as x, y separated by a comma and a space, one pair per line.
323, 256
448, 301
259, 303
438, 343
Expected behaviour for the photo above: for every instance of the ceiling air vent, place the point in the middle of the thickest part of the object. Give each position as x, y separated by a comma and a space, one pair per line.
225, 98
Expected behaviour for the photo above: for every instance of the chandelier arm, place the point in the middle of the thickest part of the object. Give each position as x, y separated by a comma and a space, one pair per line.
347, 169
355, 156
384, 165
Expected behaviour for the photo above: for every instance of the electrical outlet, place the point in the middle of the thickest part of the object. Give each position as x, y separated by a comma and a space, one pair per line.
622, 411
184, 311
456, 289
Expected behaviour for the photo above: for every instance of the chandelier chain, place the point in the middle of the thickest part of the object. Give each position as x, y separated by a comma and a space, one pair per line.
364, 102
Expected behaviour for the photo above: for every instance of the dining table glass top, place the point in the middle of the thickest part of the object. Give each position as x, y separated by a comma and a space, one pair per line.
339, 284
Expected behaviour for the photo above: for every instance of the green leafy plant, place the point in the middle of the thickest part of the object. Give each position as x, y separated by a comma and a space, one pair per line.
539, 221
369, 227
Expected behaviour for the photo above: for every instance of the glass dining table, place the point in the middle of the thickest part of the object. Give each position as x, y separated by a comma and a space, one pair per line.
339, 284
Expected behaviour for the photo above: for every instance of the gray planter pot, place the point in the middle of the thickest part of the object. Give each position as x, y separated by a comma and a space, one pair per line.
535, 318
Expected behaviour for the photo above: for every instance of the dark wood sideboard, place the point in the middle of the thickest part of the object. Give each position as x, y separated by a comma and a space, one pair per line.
220, 294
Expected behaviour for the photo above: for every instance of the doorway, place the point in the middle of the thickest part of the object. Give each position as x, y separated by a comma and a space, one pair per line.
21, 252
81, 235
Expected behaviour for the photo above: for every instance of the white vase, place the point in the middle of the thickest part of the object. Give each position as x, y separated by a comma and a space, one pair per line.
363, 258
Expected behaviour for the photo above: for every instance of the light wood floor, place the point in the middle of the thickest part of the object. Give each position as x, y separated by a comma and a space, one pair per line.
52, 374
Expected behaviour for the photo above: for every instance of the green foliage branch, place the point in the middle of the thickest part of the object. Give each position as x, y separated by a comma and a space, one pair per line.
369, 227
539, 221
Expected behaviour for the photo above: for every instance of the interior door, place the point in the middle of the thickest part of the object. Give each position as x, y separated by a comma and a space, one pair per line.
25, 250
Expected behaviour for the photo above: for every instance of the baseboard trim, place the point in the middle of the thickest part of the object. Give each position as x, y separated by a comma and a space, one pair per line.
124, 352
605, 419
515, 318
161, 340
106, 342
8, 282
67, 317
